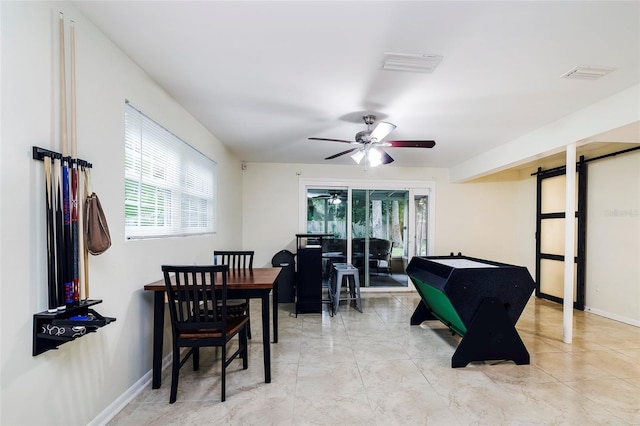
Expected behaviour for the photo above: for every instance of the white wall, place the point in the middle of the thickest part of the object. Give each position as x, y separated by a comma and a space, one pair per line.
480, 220
613, 238
72, 385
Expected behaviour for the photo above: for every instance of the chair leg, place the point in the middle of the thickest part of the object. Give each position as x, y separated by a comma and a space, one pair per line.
223, 373
245, 352
352, 286
336, 292
175, 368
196, 358
249, 323
358, 298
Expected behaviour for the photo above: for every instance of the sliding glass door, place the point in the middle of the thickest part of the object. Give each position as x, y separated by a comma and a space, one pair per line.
327, 211
379, 233
376, 227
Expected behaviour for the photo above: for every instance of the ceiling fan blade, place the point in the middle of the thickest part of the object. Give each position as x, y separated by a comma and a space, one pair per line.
386, 158
341, 153
382, 129
411, 144
330, 140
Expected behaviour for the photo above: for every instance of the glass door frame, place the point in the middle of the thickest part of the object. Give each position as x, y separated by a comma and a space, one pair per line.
420, 192
414, 187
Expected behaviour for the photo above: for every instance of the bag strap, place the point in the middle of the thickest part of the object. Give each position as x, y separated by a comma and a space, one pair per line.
88, 188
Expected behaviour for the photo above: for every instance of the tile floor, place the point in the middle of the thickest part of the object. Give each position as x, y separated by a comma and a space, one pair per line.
373, 368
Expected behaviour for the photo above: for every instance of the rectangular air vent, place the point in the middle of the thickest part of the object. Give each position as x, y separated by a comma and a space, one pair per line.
411, 62
587, 72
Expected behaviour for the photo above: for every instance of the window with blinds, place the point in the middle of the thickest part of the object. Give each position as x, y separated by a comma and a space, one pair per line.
169, 187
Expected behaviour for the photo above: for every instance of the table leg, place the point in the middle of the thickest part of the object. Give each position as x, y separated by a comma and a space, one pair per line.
421, 314
265, 338
158, 334
275, 312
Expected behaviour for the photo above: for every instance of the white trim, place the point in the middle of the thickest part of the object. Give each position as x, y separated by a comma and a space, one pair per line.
569, 248
121, 402
431, 214
615, 317
408, 289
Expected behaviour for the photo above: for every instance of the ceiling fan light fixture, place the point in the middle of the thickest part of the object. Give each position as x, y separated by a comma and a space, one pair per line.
358, 156
374, 157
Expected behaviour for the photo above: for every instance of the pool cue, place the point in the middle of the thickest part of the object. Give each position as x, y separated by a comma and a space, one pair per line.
74, 169
52, 292
85, 253
68, 248
81, 244
60, 252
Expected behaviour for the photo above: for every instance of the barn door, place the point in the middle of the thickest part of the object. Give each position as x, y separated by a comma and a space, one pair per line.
550, 234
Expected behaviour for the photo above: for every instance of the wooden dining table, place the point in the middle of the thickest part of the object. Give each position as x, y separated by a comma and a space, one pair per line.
256, 283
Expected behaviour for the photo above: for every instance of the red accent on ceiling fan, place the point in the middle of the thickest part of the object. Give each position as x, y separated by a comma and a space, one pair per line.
411, 144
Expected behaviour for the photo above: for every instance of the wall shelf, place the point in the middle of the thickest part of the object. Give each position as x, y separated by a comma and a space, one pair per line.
52, 329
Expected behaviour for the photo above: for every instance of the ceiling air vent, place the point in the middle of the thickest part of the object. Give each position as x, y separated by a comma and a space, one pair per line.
411, 62
587, 73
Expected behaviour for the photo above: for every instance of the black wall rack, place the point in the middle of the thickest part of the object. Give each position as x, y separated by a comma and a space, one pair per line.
52, 329
40, 153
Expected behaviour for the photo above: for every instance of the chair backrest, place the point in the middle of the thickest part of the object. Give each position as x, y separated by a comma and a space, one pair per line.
237, 260
380, 249
193, 303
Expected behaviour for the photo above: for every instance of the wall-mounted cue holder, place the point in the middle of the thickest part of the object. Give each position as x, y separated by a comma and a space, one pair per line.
40, 153
75, 319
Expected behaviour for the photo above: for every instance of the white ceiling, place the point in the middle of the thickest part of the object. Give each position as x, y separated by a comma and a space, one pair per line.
264, 76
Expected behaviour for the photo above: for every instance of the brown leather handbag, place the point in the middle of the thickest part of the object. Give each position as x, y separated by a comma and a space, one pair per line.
96, 229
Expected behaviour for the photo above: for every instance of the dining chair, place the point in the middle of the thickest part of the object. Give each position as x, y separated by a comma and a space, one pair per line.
199, 318
239, 261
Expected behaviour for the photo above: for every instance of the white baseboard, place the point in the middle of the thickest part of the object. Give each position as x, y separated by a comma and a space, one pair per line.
614, 317
385, 289
116, 406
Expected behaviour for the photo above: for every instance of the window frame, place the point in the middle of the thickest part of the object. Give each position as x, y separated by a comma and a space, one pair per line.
170, 188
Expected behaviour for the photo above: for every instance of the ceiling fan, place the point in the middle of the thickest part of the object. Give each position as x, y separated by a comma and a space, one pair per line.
370, 143
333, 197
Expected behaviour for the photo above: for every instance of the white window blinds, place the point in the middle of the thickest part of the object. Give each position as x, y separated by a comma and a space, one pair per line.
169, 186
